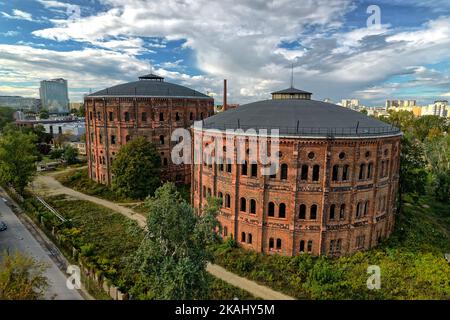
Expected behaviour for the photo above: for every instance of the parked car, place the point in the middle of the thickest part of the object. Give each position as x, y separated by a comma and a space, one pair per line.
3, 226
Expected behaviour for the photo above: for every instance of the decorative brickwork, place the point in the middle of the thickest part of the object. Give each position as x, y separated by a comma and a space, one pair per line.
330, 196
112, 120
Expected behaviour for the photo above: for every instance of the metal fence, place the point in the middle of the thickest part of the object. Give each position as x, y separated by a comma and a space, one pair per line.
312, 131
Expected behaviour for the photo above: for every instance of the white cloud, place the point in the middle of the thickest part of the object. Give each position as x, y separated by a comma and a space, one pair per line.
18, 15
10, 33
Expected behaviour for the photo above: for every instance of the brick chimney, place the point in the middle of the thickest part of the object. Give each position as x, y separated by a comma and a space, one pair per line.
224, 95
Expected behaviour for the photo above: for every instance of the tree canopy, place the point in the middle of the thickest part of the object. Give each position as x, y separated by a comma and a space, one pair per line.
173, 256
21, 277
136, 169
18, 154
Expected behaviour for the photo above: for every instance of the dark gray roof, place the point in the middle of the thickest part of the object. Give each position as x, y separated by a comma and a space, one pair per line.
291, 90
150, 88
151, 76
298, 117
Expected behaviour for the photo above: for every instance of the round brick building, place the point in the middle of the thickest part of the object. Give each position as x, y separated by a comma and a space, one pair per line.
334, 192
151, 108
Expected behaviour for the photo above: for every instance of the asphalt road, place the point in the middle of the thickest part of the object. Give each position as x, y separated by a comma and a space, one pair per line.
18, 238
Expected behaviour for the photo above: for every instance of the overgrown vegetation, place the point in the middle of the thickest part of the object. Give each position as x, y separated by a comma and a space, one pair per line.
412, 263
79, 180
108, 241
21, 277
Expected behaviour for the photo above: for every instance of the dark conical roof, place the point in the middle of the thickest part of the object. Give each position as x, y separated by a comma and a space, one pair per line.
150, 85
300, 117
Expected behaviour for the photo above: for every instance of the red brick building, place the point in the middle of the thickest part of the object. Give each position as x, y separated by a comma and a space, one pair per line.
336, 187
151, 108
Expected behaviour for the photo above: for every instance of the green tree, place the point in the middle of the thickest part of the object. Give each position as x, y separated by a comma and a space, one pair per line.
18, 154
44, 114
136, 169
423, 125
413, 176
6, 116
70, 154
21, 278
401, 119
173, 255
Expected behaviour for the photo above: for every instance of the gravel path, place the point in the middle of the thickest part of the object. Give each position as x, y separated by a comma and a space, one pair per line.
47, 185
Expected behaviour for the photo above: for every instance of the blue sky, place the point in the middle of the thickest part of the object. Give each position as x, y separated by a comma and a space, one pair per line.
99, 43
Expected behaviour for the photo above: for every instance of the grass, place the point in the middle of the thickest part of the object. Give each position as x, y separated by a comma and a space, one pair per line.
411, 261
79, 180
108, 239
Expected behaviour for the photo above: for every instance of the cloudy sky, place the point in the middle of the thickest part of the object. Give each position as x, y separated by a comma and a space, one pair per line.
337, 50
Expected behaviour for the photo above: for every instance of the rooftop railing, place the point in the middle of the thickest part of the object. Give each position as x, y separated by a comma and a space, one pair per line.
312, 131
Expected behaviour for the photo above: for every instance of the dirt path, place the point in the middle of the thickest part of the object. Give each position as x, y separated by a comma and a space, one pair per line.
47, 185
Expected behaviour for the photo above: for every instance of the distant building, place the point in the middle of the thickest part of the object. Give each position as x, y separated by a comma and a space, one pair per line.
350, 103
54, 96
20, 103
399, 103
72, 127
438, 108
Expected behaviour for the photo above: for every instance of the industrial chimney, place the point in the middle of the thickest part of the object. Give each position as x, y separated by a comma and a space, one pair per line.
224, 95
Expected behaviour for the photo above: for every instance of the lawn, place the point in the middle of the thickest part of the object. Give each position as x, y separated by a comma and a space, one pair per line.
412, 263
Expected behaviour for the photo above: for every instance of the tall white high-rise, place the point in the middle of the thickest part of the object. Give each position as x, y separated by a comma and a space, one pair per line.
54, 96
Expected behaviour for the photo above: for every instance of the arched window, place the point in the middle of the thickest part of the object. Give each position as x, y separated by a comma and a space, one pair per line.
316, 172
310, 244
369, 170
244, 168
313, 212
386, 171
165, 162
227, 201
250, 238
243, 204
302, 246
201, 115
243, 237
366, 208
225, 231
332, 211
358, 210
254, 170
161, 140
127, 116
278, 244
127, 138
271, 209
284, 171
161, 116
229, 165
335, 172
191, 116
253, 206
304, 175
220, 196
271, 243
282, 211
342, 212
345, 172
302, 212
362, 169
177, 116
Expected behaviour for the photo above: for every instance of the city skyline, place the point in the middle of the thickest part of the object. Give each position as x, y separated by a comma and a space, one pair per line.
94, 44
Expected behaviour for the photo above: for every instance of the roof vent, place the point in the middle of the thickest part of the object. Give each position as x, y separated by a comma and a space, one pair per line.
291, 93
152, 77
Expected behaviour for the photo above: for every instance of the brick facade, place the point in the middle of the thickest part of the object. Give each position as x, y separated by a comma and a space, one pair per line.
346, 205
112, 121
